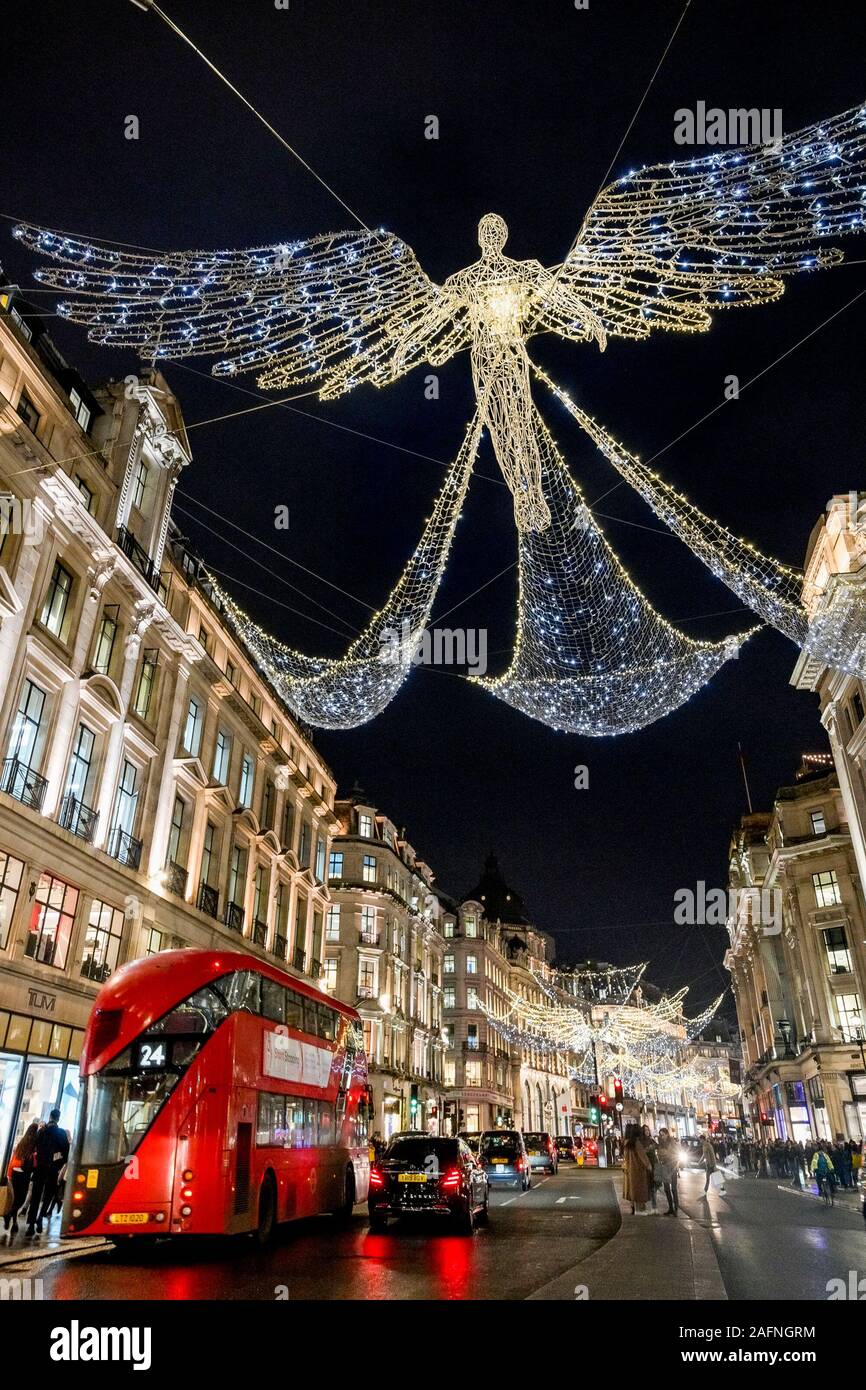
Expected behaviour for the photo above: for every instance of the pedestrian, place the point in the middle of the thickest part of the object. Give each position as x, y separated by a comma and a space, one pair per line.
52, 1152
708, 1155
856, 1162
651, 1149
637, 1171
19, 1174
822, 1168
669, 1167
842, 1160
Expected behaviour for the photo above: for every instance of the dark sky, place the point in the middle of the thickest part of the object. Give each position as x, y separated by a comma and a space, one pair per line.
532, 102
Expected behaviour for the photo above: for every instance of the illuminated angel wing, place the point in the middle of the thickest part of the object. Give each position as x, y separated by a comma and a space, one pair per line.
665, 246
326, 313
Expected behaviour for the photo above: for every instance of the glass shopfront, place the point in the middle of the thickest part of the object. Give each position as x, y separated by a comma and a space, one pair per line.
38, 1073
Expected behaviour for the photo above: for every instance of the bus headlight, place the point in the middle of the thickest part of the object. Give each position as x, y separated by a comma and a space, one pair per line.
186, 1211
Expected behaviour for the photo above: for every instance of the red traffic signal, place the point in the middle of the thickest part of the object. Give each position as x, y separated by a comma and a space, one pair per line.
617, 1088
602, 1100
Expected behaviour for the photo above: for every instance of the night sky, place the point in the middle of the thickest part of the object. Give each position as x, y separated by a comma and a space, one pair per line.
532, 102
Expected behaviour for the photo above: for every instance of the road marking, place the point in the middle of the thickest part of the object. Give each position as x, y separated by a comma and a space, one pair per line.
560, 1200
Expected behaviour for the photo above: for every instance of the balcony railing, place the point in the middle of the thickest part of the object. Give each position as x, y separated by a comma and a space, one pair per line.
208, 900
125, 848
135, 551
175, 878
370, 938
366, 992
317, 969
281, 945
299, 960
235, 917
478, 1049
23, 783
77, 818
260, 932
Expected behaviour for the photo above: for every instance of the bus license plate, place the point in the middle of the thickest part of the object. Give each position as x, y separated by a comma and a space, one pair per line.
411, 1177
128, 1218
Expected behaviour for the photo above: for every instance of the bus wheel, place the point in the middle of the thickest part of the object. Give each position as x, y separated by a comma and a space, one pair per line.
266, 1229
347, 1206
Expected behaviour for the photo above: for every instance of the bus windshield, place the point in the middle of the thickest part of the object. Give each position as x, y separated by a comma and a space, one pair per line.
123, 1099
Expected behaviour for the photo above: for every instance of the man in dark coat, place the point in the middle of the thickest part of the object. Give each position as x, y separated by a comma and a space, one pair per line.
52, 1152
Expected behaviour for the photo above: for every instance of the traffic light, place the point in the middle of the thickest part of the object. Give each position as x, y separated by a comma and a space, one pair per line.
594, 1113
617, 1088
602, 1100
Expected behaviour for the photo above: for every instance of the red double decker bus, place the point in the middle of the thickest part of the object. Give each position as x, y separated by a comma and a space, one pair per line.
219, 1095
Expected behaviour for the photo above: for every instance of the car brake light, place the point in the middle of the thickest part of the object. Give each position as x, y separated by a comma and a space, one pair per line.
377, 1177
451, 1179
520, 1165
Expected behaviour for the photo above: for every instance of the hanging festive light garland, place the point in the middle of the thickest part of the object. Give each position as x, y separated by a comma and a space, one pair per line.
642, 1041
339, 694
661, 248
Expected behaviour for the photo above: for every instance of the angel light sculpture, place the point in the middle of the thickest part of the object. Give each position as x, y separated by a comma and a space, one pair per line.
659, 250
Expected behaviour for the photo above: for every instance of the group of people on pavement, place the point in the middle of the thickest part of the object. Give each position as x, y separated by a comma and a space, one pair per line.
650, 1166
35, 1175
841, 1160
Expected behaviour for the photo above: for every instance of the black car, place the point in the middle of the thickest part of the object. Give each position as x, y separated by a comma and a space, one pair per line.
422, 1173
472, 1137
565, 1150
503, 1155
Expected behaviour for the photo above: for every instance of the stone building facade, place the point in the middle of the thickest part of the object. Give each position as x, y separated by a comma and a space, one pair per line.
154, 791
799, 979
384, 948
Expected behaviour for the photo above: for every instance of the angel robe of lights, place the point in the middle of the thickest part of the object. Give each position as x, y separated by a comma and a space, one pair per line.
660, 249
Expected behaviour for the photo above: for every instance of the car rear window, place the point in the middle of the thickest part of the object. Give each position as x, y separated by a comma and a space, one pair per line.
499, 1143
419, 1150
540, 1140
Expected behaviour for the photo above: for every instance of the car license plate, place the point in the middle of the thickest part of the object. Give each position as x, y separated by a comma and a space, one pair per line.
411, 1177
500, 1160
128, 1218
535, 1153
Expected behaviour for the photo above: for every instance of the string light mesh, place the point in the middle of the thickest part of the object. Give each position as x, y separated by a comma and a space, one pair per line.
340, 694
591, 655
772, 590
663, 247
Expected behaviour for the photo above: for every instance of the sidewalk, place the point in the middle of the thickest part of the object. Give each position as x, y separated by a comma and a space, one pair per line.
649, 1258
49, 1243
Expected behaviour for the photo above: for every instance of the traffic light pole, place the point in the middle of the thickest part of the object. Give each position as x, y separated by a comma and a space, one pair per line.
602, 1147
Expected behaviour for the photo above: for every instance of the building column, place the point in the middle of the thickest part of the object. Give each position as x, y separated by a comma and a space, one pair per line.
165, 800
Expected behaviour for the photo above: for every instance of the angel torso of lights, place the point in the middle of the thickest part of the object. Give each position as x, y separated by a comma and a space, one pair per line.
502, 299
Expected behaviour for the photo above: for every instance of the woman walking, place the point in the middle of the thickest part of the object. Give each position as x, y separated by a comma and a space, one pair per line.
637, 1172
669, 1166
19, 1174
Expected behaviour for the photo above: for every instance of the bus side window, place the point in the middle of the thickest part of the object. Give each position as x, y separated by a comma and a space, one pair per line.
273, 1000
326, 1122
327, 1023
294, 1010
294, 1123
311, 1124
311, 1017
